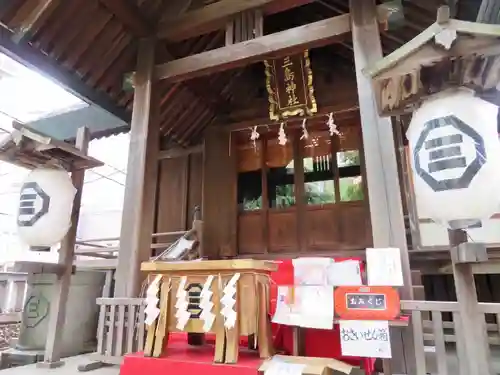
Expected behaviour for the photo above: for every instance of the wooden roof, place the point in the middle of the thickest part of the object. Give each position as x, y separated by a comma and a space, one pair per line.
89, 45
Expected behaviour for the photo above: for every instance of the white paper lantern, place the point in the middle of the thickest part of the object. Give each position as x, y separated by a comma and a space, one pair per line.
455, 156
46, 202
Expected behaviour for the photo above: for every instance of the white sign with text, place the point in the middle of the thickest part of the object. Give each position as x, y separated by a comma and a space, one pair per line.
363, 338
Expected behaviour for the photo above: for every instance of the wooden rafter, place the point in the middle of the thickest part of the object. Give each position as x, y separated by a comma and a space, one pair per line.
130, 16
312, 35
215, 16
36, 17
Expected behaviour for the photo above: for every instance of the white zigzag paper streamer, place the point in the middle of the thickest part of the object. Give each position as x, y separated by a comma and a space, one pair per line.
206, 305
228, 302
152, 311
181, 305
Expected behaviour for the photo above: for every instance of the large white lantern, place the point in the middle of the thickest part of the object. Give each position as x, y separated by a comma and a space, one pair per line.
46, 202
455, 157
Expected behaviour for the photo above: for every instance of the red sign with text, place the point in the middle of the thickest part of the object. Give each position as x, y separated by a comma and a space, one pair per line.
367, 303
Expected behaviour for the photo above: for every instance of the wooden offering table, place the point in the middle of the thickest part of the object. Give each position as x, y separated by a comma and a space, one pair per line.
229, 298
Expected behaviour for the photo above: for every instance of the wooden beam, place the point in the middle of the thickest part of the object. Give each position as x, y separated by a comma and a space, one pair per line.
31, 57
142, 173
36, 18
178, 152
384, 194
57, 315
297, 39
341, 112
130, 16
214, 16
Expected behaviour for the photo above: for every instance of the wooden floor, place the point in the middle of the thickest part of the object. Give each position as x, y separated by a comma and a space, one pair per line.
70, 368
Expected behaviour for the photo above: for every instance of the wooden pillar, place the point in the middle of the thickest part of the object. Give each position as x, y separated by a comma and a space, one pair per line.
384, 194
57, 314
142, 174
474, 334
219, 209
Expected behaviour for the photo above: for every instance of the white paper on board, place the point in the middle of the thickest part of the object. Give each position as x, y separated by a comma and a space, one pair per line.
346, 273
283, 306
311, 271
365, 338
384, 267
277, 367
308, 306
313, 307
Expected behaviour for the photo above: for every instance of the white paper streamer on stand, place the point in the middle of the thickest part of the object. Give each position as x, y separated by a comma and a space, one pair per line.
206, 305
332, 127
152, 311
181, 305
305, 133
228, 302
282, 140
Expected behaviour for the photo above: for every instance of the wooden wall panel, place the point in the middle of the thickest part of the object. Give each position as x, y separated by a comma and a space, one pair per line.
322, 228
219, 196
250, 235
283, 231
195, 184
355, 226
172, 195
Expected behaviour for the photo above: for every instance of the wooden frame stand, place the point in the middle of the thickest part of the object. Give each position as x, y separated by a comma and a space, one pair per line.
251, 304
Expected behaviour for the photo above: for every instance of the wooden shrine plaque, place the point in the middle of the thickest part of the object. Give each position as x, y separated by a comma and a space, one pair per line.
367, 303
289, 82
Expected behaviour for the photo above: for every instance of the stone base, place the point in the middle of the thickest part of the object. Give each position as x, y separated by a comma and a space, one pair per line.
49, 365
14, 357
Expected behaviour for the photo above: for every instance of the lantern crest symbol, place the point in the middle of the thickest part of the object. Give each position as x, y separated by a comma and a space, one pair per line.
33, 205
448, 154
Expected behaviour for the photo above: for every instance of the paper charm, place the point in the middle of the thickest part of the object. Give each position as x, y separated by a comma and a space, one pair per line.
254, 136
305, 133
282, 140
332, 127
228, 301
206, 305
181, 305
152, 311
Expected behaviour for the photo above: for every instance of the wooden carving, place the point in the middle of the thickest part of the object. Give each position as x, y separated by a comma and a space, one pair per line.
289, 82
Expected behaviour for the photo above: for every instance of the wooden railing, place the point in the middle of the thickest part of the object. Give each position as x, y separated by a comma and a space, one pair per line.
439, 344
107, 248
120, 329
